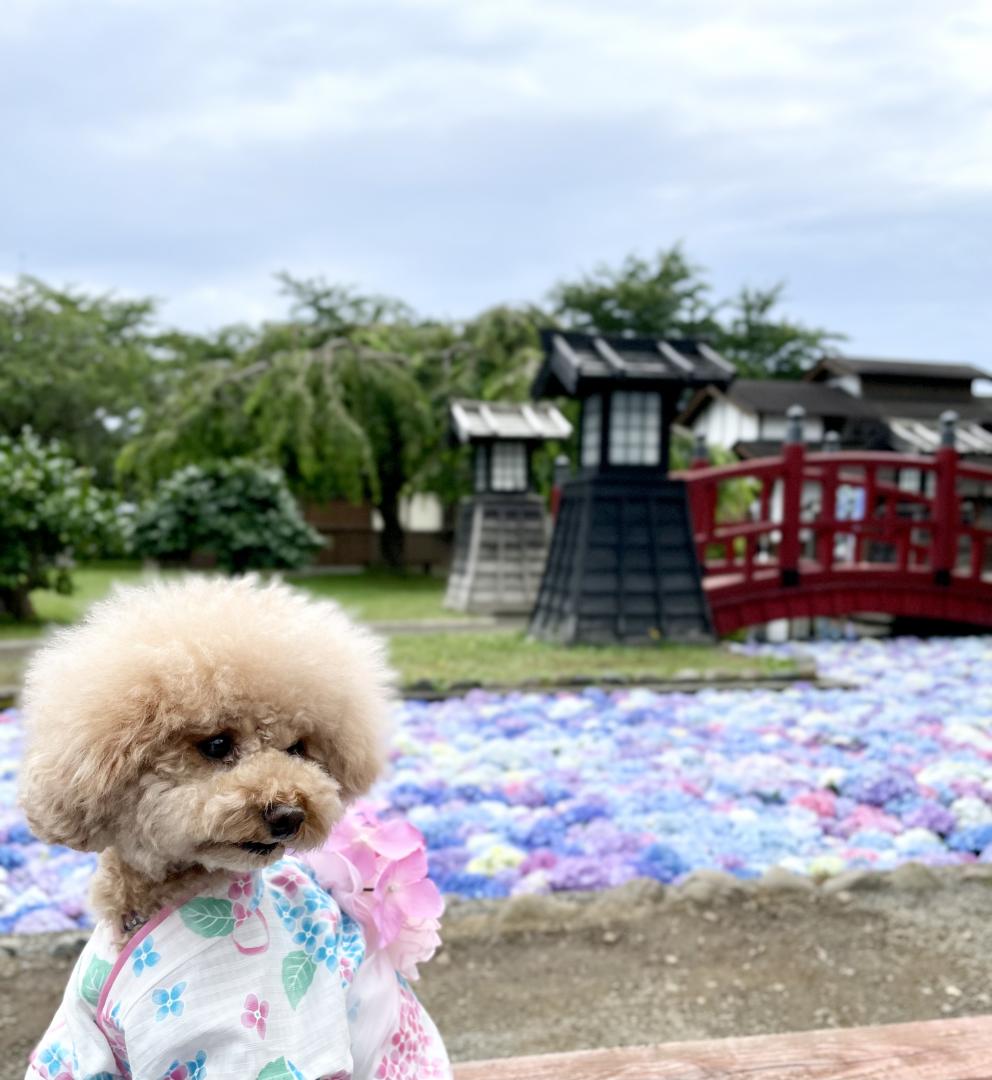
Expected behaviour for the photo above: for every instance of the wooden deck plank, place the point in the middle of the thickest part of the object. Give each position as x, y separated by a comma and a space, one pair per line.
930, 1050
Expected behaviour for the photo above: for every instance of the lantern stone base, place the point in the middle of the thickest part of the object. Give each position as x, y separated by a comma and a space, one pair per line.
622, 566
501, 543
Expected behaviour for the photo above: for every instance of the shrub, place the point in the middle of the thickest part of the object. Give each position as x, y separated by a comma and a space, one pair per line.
239, 511
50, 513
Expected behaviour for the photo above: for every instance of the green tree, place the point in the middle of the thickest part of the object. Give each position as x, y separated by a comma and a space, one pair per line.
325, 397
762, 344
492, 356
669, 296
50, 513
75, 367
239, 511
664, 296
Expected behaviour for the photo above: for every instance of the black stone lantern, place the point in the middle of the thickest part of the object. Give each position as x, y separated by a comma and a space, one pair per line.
622, 565
502, 531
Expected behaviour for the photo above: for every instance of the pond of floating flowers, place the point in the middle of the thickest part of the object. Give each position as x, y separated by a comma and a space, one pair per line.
537, 792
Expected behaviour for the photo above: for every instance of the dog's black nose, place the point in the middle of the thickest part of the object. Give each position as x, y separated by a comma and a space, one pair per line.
283, 821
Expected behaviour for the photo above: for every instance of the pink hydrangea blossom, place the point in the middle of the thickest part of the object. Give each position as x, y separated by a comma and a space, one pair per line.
377, 873
405, 896
822, 803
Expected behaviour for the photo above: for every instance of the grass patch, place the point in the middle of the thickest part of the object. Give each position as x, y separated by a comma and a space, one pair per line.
502, 658
508, 658
11, 669
375, 595
91, 583
380, 596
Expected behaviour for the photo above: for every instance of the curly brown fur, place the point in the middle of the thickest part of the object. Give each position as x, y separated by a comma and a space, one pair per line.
118, 710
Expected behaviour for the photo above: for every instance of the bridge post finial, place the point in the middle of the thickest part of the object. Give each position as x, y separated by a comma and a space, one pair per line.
831, 442
563, 469
794, 431
700, 451
948, 424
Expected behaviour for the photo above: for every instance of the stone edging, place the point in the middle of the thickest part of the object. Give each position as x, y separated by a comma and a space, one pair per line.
638, 899
690, 682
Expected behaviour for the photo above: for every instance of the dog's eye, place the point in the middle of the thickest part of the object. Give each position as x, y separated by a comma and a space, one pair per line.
217, 747
298, 749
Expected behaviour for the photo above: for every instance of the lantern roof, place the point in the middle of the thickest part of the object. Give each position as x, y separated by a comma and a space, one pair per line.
488, 421
576, 364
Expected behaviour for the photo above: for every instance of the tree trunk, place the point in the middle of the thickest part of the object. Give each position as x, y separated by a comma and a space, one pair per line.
16, 602
392, 539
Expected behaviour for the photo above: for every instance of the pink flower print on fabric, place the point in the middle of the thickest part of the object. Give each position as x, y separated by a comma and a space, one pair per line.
255, 1015
408, 1056
241, 888
241, 892
110, 1024
289, 881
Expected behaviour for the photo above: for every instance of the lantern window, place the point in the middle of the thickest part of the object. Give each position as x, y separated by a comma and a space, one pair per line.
509, 466
635, 428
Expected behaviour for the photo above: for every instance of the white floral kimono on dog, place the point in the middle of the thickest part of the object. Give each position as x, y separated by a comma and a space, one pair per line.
264, 978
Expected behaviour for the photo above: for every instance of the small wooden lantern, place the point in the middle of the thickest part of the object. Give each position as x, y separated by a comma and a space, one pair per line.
501, 532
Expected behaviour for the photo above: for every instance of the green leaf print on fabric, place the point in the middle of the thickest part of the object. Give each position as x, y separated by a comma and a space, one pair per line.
93, 980
278, 1070
208, 916
297, 975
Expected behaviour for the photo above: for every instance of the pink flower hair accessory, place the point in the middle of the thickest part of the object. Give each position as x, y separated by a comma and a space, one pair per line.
377, 873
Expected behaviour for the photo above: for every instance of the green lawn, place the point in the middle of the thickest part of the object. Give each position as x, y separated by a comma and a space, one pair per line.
495, 657
504, 658
374, 595
379, 596
91, 583
10, 670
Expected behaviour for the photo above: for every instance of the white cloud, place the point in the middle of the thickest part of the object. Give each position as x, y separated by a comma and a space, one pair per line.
462, 153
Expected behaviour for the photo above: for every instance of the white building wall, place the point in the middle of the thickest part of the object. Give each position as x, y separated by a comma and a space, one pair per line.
418, 513
773, 428
723, 424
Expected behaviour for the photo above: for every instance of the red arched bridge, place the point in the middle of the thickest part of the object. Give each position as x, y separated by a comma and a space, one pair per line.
839, 533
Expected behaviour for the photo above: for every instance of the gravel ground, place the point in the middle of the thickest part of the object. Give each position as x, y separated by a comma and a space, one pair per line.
713, 957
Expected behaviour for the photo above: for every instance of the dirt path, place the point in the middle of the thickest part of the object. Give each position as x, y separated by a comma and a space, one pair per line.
645, 964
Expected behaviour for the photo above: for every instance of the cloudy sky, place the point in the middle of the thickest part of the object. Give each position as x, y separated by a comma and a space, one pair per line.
459, 153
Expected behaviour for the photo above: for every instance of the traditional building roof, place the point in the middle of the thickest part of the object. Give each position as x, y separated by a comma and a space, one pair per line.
776, 396
486, 421
923, 436
896, 369
574, 363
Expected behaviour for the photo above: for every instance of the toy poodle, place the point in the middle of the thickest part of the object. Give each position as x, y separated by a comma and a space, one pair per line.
195, 734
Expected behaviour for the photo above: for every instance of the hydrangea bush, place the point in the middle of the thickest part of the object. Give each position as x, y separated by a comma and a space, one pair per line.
51, 513
240, 512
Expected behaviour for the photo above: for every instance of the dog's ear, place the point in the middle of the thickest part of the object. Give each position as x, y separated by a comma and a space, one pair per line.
356, 755
52, 816
82, 747
66, 799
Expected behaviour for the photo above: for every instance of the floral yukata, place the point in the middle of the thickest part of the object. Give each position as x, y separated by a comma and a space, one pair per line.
295, 972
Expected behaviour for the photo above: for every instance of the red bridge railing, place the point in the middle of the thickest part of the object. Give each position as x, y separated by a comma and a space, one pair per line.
804, 525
